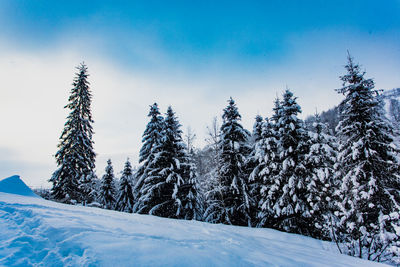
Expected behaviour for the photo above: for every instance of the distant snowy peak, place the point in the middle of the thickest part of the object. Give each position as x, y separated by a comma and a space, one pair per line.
14, 185
390, 94
391, 100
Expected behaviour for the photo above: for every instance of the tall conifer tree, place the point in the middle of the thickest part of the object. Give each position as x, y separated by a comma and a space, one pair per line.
151, 139
271, 169
321, 184
230, 201
165, 190
369, 170
75, 157
268, 170
287, 194
254, 166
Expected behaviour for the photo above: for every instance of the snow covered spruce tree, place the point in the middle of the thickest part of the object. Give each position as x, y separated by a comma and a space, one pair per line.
257, 129
166, 188
107, 190
321, 184
252, 161
151, 139
369, 170
193, 200
287, 196
268, 169
75, 157
254, 165
229, 201
125, 200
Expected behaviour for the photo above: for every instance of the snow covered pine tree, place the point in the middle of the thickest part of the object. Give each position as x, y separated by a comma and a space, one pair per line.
267, 170
166, 189
75, 157
369, 170
193, 200
107, 190
269, 167
321, 184
151, 139
125, 200
287, 195
229, 201
254, 166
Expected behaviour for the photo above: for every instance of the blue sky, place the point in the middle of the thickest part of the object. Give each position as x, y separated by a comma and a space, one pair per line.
251, 33
193, 56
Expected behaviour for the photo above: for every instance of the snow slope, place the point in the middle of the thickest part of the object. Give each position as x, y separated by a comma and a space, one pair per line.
15, 185
34, 231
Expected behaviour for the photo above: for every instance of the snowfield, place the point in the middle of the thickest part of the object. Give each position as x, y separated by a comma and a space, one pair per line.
37, 232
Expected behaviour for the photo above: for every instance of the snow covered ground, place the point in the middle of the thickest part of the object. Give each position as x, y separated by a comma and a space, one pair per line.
35, 232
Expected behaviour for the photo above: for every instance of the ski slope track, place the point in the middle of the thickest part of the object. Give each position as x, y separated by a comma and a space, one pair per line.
37, 232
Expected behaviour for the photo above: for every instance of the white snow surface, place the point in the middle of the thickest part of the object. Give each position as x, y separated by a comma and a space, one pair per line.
37, 232
15, 185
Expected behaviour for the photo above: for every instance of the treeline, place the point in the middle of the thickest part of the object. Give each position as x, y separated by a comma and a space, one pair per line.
341, 186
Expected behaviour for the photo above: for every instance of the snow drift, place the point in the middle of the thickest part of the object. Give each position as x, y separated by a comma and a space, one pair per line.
34, 231
14, 185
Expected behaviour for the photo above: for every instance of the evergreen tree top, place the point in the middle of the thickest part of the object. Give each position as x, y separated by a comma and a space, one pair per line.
289, 105
289, 127
172, 125
257, 128
127, 172
231, 129
231, 112
152, 134
82, 74
354, 79
154, 111
81, 78
360, 104
155, 119
109, 169
277, 110
80, 97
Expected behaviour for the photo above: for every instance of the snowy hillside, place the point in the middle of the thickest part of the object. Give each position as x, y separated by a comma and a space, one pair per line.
391, 99
35, 232
391, 94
